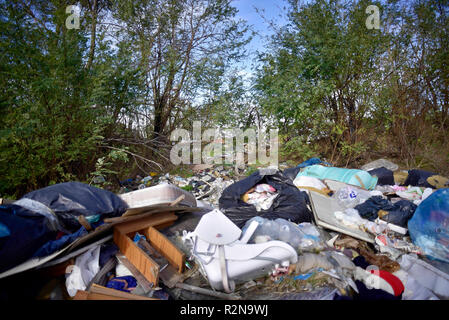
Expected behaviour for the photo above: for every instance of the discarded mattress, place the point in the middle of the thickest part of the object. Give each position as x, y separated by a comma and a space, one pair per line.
290, 204
225, 256
355, 177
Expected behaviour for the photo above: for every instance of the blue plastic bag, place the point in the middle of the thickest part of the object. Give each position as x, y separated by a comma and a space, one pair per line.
429, 226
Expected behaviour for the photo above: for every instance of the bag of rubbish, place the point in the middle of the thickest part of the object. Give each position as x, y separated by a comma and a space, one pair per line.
418, 178
384, 176
303, 237
429, 226
24, 232
290, 203
85, 268
70, 200
354, 177
379, 163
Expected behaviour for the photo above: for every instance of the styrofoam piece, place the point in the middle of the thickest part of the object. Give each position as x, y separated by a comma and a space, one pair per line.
323, 208
160, 194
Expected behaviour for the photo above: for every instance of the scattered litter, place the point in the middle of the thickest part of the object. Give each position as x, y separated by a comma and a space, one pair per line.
312, 232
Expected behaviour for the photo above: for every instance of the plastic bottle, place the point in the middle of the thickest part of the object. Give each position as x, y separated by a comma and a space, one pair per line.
284, 233
347, 197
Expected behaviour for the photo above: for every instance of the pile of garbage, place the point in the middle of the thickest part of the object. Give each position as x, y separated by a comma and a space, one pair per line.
311, 232
206, 184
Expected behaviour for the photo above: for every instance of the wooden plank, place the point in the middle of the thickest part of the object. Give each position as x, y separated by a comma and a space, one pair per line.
145, 222
145, 284
178, 200
159, 208
164, 246
81, 295
83, 221
97, 289
170, 277
137, 257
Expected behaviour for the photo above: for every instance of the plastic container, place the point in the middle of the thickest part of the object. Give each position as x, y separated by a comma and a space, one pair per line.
354, 177
349, 197
160, 194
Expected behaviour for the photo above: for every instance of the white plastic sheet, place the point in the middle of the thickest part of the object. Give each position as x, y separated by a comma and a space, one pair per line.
85, 268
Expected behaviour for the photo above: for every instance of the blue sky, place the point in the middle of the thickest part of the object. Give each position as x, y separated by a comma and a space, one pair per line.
269, 10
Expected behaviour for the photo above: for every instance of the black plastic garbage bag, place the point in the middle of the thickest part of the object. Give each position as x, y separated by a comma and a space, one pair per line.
28, 231
290, 204
291, 173
403, 211
418, 178
69, 200
384, 176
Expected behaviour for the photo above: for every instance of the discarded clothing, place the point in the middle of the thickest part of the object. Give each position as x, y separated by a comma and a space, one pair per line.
398, 213
403, 211
127, 283
261, 196
55, 245
380, 279
361, 262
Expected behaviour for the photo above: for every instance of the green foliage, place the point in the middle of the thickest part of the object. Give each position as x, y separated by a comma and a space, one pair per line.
103, 167
327, 79
298, 149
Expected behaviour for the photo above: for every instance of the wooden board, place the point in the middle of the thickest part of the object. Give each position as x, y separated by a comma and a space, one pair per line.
141, 280
145, 222
175, 256
137, 257
112, 293
124, 233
